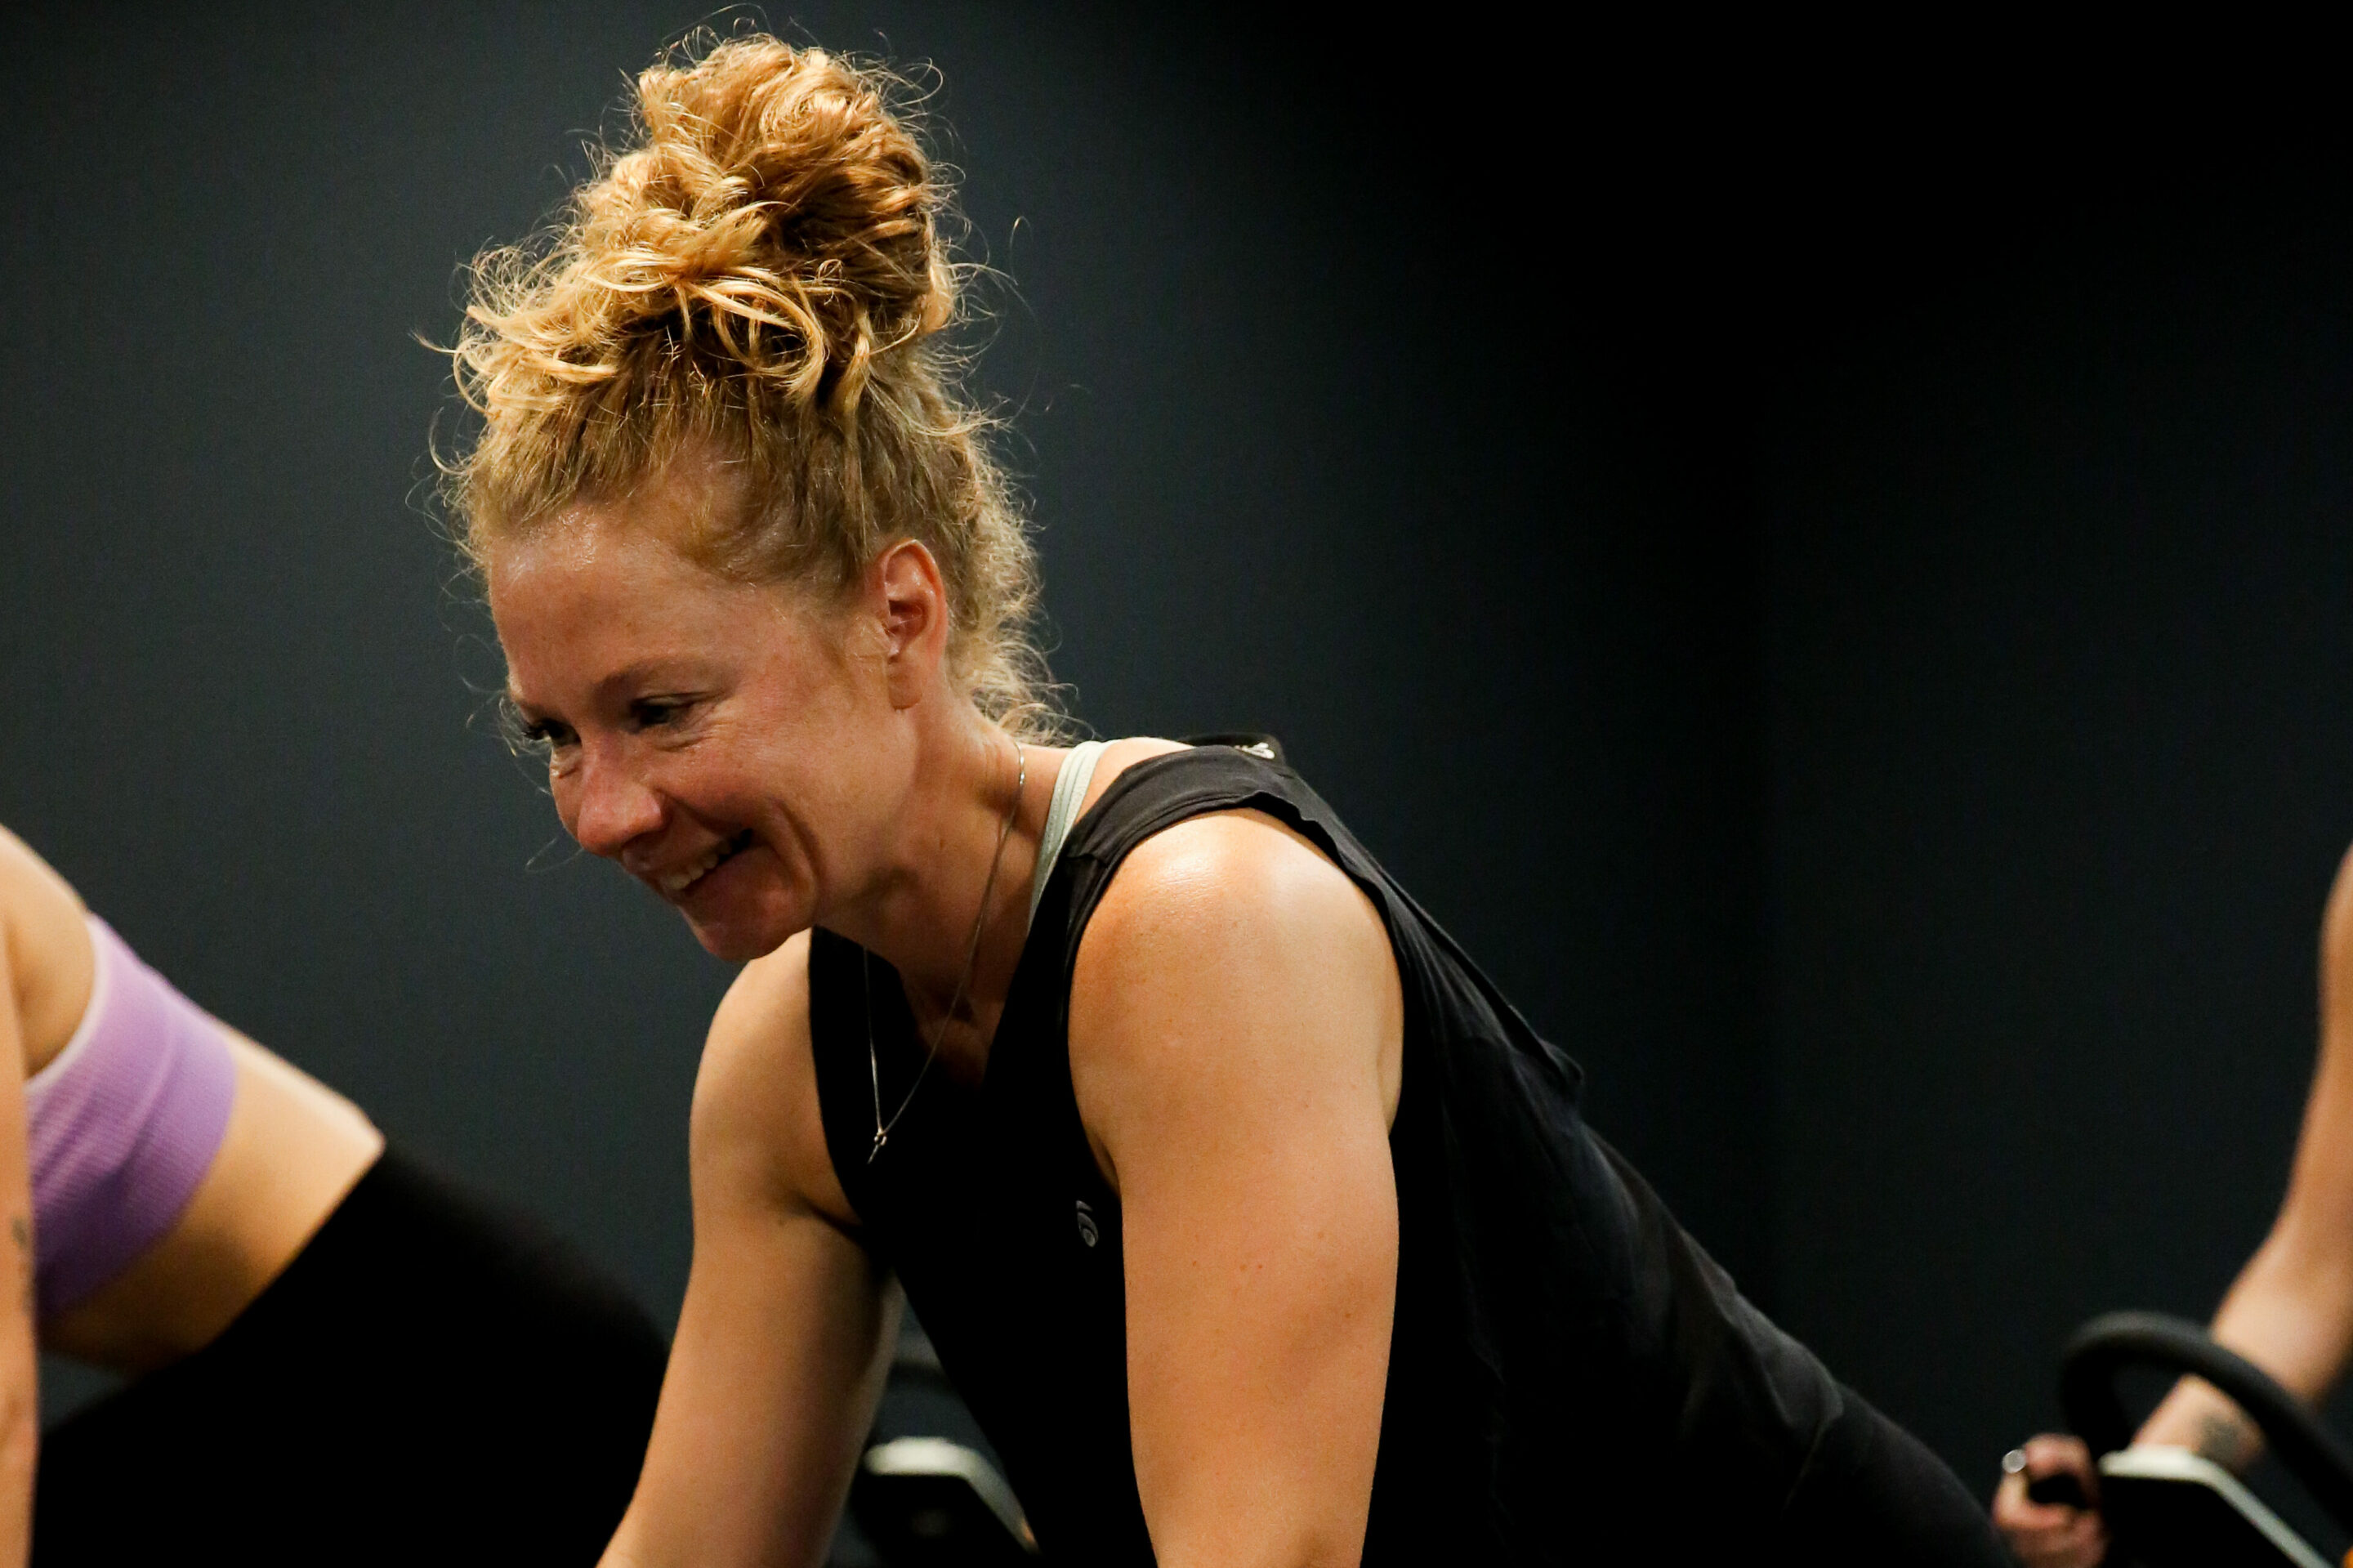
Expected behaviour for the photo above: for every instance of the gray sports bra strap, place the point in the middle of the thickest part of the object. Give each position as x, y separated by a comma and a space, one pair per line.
1069, 788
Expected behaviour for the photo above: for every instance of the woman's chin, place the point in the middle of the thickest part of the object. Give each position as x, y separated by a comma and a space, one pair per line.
739, 935
741, 909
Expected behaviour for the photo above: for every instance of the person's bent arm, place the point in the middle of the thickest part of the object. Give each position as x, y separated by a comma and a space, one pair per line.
780, 1348
1234, 1034
2290, 1310
19, 1375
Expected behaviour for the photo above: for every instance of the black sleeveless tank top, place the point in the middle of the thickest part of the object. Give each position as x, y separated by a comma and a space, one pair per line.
1570, 1378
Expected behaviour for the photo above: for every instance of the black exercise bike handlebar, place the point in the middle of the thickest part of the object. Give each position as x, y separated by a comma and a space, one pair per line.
2106, 1345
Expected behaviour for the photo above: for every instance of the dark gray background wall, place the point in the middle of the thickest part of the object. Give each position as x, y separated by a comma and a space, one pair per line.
1858, 668
2060, 594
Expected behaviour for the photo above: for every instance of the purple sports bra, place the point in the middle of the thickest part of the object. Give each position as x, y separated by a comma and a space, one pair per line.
122, 1125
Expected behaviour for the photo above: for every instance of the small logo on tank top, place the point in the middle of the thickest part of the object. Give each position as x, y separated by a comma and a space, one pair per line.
1088, 1232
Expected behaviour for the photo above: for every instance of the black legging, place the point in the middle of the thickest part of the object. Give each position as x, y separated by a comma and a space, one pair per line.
432, 1380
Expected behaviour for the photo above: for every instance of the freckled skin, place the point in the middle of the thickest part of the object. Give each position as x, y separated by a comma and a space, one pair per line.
681, 709
1235, 1042
755, 705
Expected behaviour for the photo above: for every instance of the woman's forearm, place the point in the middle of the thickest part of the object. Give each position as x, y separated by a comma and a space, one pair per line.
2291, 1313
2290, 1310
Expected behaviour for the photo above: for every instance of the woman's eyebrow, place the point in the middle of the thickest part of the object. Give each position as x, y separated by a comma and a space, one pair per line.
629, 678
520, 708
660, 670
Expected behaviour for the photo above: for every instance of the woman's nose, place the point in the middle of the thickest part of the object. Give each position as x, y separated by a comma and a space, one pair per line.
611, 807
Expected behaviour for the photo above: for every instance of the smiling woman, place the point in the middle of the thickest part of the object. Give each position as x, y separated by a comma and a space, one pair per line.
641, 671
1254, 1224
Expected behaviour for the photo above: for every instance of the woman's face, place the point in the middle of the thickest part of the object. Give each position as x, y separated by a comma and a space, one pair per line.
732, 745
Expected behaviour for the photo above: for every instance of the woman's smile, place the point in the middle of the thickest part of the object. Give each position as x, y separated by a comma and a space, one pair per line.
681, 881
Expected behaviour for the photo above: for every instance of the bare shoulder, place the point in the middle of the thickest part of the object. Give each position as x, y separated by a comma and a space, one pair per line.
49, 962
757, 1135
1229, 962
1226, 876
31, 892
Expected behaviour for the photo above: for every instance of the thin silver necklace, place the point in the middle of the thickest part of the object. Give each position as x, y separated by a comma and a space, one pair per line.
971, 957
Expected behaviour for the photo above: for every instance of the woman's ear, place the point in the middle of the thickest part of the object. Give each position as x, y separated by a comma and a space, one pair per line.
914, 621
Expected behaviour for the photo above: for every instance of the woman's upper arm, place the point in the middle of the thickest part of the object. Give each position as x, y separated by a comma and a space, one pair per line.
780, 1347
1235, 1027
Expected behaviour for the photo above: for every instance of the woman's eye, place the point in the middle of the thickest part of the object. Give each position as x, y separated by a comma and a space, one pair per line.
524, 732
652, 713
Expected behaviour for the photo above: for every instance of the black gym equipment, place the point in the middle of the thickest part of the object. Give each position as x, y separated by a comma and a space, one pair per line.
923, 1495
927, 1502
2168, 1508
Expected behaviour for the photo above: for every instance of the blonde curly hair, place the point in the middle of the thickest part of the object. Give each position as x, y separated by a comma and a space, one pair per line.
759, 274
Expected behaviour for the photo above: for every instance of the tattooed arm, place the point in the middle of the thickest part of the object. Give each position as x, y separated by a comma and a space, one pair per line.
20, 1380
2291, 1310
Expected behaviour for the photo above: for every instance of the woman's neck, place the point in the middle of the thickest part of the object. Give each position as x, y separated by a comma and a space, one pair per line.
951, 929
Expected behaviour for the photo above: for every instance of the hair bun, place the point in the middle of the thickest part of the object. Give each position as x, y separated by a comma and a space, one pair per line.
756, 274
769, 211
